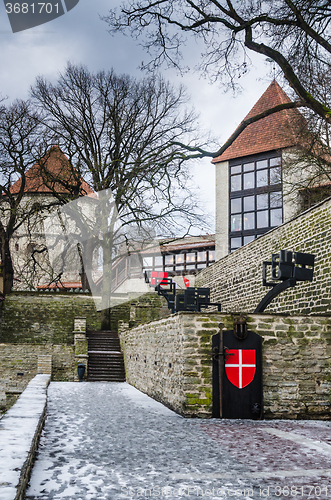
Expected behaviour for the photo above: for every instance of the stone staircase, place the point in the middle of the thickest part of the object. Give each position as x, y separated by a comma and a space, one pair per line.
105, 359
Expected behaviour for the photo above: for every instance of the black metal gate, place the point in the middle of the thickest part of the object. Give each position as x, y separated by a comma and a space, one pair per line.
237, 375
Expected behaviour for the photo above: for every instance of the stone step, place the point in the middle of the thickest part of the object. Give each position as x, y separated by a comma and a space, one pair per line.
105, 357
107, 369
95, 370
101, 377
98, 347
106, 365
104, 340
112, 353
114, 375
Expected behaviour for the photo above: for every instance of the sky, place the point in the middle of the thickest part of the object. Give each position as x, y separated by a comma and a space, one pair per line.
81, 37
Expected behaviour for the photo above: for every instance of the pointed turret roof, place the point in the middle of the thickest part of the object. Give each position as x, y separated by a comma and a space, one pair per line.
52, 174
277, 131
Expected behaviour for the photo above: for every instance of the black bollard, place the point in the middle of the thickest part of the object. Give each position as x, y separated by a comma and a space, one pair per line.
80, 371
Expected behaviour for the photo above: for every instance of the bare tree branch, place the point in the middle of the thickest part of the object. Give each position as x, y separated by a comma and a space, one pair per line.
295, 34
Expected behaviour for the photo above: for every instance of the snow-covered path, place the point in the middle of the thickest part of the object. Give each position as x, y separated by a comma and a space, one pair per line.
108, 441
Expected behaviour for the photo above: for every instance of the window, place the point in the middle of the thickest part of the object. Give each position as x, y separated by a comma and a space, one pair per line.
179, 258
255, 197
158, 260
169, 260
211, 256
236, 222
236, 205
181, 262
236, 183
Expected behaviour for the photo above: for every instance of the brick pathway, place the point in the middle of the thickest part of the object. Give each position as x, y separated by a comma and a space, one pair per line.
108, 441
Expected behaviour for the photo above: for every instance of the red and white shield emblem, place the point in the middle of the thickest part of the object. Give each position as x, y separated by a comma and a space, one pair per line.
240, 366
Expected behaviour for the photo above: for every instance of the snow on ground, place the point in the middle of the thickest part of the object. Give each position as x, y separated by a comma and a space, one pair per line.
108, 441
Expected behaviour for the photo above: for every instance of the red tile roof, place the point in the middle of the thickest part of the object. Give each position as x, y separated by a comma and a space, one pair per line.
52, 173
276, 131
66, 285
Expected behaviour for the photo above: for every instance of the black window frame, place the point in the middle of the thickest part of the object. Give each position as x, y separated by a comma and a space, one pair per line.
254, 191
185, 267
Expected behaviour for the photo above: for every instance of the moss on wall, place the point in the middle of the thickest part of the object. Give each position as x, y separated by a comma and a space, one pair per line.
146, 308
40, 318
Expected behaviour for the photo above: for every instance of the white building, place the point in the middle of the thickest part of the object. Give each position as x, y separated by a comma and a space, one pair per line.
28, 245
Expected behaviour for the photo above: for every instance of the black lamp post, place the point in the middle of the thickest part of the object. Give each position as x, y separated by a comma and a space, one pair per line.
288, 268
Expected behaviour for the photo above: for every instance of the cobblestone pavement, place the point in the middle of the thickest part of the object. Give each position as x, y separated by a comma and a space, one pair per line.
108, 441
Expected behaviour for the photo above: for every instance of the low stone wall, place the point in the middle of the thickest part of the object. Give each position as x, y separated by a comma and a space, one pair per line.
170, 360
43, 318
42, 324
19, 364
20, 430
34, 324
236, 280
143, 309
40, 318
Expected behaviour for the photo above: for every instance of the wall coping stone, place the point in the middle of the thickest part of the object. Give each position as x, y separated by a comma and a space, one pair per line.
20, 430
233, 313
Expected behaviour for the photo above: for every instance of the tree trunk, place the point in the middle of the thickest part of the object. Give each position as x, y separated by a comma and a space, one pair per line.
7, 266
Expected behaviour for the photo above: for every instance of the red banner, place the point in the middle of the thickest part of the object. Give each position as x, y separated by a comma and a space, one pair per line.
158, 274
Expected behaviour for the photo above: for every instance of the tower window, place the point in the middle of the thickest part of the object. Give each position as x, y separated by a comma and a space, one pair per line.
255, 197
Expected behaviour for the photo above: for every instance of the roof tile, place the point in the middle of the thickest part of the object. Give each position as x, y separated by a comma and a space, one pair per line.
276, 131
52, 173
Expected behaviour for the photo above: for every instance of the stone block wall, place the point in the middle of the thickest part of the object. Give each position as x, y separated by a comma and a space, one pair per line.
34, 325
296, 365
44, 364
236, 280
19, 365
39, 318
143, 309
170, 360
43, 324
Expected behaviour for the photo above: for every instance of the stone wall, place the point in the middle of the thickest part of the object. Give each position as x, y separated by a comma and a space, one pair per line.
42, 324
19, 365
143, 309
236, 280
170, 360
39, 318
39, 324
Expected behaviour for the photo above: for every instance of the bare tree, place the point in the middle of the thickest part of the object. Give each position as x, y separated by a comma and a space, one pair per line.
295, 34
120, 134
307, 169
20, 147
25, 153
